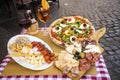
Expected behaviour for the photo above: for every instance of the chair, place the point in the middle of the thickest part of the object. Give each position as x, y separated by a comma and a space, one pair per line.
56, 1
5, 8
27, 5
33, 5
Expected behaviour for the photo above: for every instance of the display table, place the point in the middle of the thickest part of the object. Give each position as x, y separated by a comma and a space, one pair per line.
11, 70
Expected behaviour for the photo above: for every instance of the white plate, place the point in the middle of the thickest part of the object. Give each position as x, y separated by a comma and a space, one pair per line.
22, 62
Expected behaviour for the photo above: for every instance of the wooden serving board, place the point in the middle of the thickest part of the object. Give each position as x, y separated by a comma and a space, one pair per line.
96, 36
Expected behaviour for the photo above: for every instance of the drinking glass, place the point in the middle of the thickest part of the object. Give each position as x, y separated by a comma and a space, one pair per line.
43, 16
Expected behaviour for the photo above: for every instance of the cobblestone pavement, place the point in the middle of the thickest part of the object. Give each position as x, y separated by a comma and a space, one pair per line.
100, 13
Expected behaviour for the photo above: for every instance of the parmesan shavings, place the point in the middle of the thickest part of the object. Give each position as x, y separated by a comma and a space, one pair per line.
65, 59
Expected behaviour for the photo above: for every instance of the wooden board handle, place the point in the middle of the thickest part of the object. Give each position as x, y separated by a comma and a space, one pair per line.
98, 34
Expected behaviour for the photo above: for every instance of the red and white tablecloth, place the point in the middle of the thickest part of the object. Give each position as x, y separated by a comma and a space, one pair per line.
100, 66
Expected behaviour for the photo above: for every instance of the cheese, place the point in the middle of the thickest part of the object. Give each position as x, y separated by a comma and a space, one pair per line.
57, 63
63, 25
70, 48
61, 55
75, 64
79, 31
90, 46
37, 61
68, 57
95, 49
77, 44
25, 50
31, 51
37, 52
72, 20
57, 30
79, 49
73, 39
65, 59
35, 49
83, 27
66, 32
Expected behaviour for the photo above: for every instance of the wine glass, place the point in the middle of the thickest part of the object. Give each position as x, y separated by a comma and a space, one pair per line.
25, 23
43, 16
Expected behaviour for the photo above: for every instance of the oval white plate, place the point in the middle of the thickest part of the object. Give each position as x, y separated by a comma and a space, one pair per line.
19, 59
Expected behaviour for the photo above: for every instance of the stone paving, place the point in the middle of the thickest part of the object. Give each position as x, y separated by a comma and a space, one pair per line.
101, 13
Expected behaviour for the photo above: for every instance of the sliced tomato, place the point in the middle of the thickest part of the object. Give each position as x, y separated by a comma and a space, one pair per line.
44, 52
53, 34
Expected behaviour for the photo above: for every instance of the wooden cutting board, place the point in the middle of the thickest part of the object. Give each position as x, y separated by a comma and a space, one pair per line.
96, 36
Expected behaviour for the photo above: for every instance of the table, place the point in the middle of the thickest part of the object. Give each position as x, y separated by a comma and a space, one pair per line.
100, 66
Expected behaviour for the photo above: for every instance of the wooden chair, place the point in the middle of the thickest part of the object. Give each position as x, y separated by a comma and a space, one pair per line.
5, 7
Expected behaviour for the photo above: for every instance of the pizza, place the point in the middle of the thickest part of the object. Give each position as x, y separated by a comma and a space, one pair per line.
67, 30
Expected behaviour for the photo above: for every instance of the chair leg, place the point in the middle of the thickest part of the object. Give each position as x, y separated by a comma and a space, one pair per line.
58, 3
33, 6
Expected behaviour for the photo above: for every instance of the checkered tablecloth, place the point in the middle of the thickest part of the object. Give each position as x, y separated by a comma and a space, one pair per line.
100, 66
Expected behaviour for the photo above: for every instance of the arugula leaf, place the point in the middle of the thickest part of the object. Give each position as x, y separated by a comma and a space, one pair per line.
66, 39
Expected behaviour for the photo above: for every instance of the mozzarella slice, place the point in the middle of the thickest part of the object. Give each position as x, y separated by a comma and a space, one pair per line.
83, 27
66, 32
72, 39
63, 25
72, 20
57, 29
79, 31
